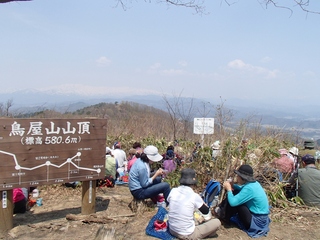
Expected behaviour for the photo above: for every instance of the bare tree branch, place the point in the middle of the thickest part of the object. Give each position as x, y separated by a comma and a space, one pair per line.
199, 5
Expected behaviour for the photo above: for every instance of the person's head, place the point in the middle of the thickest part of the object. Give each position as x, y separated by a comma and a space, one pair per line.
170, 147
150, 153
294, 151
136, 145
108, 151
132, 151
215, 145
245, 173
308, 159
139, 151
283, 152
188, 177
169, 154
244, 141
117, 145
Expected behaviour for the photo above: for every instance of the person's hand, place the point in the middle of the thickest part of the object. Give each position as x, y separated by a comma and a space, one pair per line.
159, 172
227, 186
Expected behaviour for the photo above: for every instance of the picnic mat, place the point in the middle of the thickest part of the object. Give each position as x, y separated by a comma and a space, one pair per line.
151, 231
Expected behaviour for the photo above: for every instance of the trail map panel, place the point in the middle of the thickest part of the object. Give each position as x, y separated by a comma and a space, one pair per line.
49, 151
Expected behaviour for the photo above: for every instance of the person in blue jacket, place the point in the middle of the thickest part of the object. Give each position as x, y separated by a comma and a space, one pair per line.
143, 184
247, 203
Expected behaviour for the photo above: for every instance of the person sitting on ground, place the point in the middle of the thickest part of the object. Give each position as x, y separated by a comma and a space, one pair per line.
194, 154
293, 154
132, 153
19, 201
284, 164
111, 164
309, 181
183, 203
121, 158
177, 158
131, 158
247, 203
216, 152
141, 184
169, 163
178, 149
136, 147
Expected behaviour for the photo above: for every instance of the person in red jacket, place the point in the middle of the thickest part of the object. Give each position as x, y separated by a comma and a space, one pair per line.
19, 201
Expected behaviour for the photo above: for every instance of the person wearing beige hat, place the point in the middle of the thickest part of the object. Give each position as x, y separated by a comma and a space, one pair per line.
141, 184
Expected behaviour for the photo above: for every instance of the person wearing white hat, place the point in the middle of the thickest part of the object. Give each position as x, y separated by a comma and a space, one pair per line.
121, 158
141, 184
111, 164
215, 150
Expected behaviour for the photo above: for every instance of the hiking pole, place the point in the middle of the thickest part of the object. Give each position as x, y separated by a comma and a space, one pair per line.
297, 171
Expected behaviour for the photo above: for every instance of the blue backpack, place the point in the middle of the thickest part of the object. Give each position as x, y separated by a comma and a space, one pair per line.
211, 192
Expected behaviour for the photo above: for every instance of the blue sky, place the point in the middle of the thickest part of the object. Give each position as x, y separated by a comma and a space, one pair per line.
242, 51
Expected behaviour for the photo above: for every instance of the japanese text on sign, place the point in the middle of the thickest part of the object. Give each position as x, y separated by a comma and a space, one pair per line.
34, 135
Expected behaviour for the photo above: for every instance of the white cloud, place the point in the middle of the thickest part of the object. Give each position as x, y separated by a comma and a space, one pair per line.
266, 59
183, 63
245, 67
87, 90
155, 66
156, 69
310, 74
173, 72
103, 61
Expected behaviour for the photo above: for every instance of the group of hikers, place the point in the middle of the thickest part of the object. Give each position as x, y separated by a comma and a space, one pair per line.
245, 203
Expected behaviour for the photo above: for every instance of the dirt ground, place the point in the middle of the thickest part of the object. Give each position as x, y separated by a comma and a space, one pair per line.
49, 221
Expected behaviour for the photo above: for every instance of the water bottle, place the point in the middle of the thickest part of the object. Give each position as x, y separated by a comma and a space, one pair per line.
215, 201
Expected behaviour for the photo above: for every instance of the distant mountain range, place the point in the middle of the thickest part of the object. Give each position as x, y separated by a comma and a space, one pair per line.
304, 119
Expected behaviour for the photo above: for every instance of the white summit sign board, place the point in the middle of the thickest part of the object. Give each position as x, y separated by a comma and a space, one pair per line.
203, 126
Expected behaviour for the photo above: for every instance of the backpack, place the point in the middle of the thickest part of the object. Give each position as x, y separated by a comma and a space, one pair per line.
211, 192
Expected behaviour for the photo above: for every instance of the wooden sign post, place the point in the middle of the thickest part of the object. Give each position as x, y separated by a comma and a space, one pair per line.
88, 197
6, 210
36, 152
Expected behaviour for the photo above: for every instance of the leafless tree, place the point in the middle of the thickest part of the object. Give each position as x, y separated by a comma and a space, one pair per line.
7, 107
181, 111
172, 106
186, 113
5, 1
223, 116
199, 5
1, 109
304, 5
